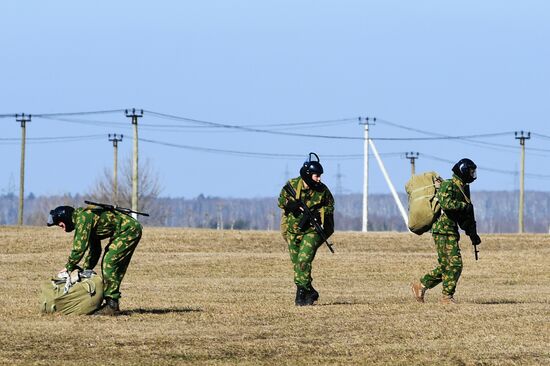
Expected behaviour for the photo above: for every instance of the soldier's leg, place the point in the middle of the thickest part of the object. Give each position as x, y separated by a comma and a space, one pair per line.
294, 246
453, 267
117, 258
294, 242
302, 268
435, 276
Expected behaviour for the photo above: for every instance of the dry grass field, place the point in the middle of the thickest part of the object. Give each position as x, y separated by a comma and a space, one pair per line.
226, 297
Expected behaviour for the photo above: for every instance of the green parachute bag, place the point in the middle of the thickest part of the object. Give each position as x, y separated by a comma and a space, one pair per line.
83, 297
424, 207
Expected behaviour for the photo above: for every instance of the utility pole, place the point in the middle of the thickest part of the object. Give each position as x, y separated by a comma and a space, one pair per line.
219, 224
135, 117
115, 139
412, 156
23, 120
368, 122
339, 190
390, 184
522, 137
287, 174
271, 220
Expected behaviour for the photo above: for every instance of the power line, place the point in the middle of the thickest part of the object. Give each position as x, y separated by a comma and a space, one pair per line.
441, 136
78, 113
249, 129
196, 128
469, 141
540, 135
256, 154
285, 124
85, 122
208, 126
500, 171
429, 133
309, 123
203, 124
38, 140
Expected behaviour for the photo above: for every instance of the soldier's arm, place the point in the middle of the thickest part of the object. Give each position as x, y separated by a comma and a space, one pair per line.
83, 230
288, 203
446, 200
93, 254
283, 199
328, 224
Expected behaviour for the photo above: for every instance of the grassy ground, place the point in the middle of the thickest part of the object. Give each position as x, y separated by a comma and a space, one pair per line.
226, 297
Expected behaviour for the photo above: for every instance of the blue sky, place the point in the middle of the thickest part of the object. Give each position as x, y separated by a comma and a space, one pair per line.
449, 68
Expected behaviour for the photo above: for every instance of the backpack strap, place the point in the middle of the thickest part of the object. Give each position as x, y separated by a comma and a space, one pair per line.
89, 284
468, 200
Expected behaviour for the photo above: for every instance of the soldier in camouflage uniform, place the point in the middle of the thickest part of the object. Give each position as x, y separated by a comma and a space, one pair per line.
303, 241
456, 211
91, 225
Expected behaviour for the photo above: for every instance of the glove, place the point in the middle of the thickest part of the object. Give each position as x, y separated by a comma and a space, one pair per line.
63, 274
476, 240
293, 207
87, 273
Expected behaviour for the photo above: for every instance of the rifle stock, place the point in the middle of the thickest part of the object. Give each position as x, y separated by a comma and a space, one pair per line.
123, 210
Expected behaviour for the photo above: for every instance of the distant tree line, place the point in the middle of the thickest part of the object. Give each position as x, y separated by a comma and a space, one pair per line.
496, 212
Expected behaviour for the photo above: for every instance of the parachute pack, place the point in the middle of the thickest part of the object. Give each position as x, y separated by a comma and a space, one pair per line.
82, 297
424, 207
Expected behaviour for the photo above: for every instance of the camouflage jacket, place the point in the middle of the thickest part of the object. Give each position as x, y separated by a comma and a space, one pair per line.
453, 206
92, 224
320, 201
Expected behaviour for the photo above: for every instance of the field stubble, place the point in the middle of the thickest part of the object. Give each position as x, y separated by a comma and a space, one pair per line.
226, 297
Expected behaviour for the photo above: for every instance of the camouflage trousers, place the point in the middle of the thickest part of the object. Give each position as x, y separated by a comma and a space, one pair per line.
450, 264
116, 259
302, 249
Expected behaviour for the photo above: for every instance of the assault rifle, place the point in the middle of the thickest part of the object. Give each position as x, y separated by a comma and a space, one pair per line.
470, 227
108, 207
310, 216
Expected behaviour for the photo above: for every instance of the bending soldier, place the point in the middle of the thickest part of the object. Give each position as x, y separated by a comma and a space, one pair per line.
456, 210
303, 241
91, 225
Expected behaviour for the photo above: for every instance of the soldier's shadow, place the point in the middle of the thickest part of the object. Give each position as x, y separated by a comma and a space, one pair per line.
334, 303
499, 302
160, 311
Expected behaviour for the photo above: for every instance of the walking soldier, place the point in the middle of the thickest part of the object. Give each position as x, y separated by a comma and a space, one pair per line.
302, 238
456, 211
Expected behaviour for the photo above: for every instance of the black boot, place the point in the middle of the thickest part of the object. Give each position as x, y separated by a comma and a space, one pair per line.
312, 296
301, 294
110, 307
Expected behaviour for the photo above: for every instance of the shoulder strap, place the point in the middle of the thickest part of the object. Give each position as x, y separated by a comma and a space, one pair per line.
299, 188
462, 191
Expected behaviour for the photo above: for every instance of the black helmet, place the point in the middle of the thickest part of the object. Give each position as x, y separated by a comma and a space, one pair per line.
465, 169
62, 214
309, 168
